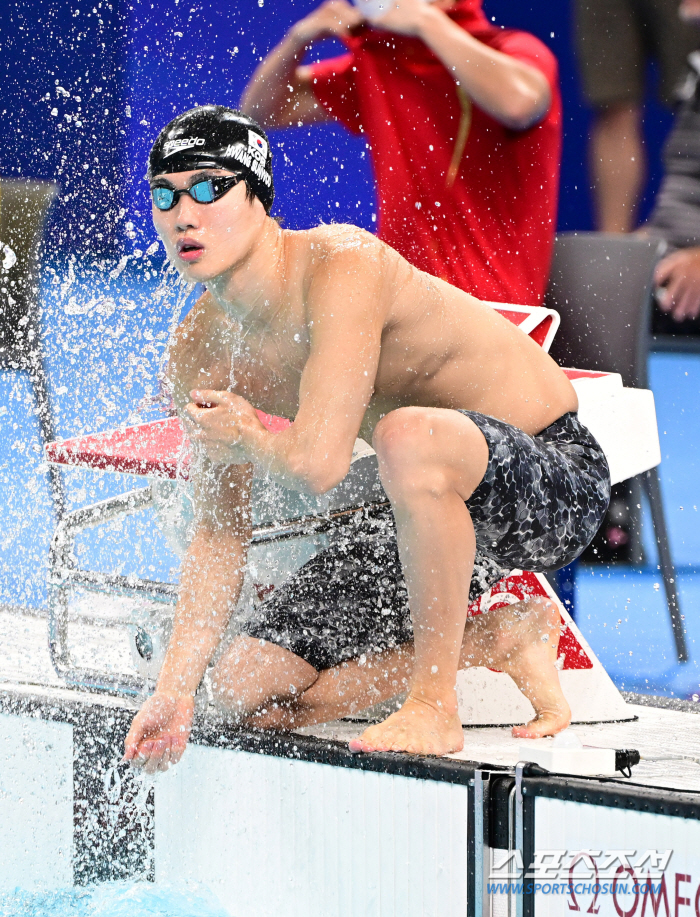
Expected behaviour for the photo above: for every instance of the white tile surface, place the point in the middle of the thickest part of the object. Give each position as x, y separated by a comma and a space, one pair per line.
36, 804
299, 839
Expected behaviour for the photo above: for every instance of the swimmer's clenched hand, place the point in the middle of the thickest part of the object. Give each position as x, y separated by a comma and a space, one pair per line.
222, 424
159, 733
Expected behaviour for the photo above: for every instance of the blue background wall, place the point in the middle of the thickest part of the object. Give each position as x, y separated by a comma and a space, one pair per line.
86, 86
62, 88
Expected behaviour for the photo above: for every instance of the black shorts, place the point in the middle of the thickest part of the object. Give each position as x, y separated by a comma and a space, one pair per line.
541, 501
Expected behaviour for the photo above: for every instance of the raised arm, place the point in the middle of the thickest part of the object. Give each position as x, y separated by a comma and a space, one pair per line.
279, 93
511, 91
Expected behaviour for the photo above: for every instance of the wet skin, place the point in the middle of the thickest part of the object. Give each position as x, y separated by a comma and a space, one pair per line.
335, 330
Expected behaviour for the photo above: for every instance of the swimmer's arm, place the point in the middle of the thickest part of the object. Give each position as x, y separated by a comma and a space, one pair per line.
212, 574
212, 569
200, 356
345, 318
280, 92
211, 579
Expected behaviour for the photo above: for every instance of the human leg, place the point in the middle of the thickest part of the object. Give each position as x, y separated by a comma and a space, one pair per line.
539, 504
348, 601
346, 613
344, 689
618, 165
612, 52
520, 640
253, 673
430, 462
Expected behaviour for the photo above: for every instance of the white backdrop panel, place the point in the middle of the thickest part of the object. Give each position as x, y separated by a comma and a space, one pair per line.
299, 839
36, 804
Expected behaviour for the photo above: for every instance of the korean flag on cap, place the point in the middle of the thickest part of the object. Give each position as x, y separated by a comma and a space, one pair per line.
256, 142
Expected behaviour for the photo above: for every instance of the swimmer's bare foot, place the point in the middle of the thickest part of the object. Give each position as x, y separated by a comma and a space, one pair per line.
522, 640
548, 723
420, 727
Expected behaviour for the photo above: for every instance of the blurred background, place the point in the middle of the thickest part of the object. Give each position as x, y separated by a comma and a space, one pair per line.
86, 88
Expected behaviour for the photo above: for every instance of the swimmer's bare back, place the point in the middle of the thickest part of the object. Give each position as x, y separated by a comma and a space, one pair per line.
421, 341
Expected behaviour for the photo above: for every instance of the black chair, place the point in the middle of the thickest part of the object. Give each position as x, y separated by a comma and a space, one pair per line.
601, 285
24, 207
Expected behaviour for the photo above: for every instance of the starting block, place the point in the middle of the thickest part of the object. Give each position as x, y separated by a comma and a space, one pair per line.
490, 698
289, 528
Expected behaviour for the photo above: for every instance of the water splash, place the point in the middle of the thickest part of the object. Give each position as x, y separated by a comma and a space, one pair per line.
115, 899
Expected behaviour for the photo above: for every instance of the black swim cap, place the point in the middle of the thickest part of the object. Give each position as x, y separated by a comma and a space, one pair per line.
215, 137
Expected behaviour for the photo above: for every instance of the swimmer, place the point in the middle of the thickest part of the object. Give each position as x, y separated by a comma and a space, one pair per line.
480, 452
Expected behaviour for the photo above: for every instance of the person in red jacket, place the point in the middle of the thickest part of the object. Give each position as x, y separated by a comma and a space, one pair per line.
463, 122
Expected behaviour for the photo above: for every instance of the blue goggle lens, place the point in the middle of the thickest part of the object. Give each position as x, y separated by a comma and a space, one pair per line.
163, 198
203, 192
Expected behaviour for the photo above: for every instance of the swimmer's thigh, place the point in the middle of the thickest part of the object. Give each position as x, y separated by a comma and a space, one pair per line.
351, 599
543, 497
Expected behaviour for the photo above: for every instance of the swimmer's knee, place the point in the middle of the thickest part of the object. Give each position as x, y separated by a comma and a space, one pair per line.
409, 445
239, 668
400, 433
254, 671
226, 679
415, 434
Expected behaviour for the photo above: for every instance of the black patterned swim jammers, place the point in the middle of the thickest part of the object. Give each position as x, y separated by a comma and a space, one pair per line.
541, 501
543, 497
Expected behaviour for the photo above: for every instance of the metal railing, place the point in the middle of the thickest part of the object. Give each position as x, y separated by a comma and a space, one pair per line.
65, 575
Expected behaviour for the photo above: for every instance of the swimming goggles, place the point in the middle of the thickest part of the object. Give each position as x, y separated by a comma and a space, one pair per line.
205, 191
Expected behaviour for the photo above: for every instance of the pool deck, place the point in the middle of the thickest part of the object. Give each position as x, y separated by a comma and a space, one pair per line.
26, 672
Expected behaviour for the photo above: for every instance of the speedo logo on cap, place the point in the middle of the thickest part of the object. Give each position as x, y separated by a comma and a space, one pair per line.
182, 143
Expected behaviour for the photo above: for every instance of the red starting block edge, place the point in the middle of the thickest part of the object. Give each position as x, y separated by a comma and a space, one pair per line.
159, 448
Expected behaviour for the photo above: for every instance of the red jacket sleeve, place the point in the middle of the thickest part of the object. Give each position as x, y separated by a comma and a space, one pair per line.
334, 86
530, 50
